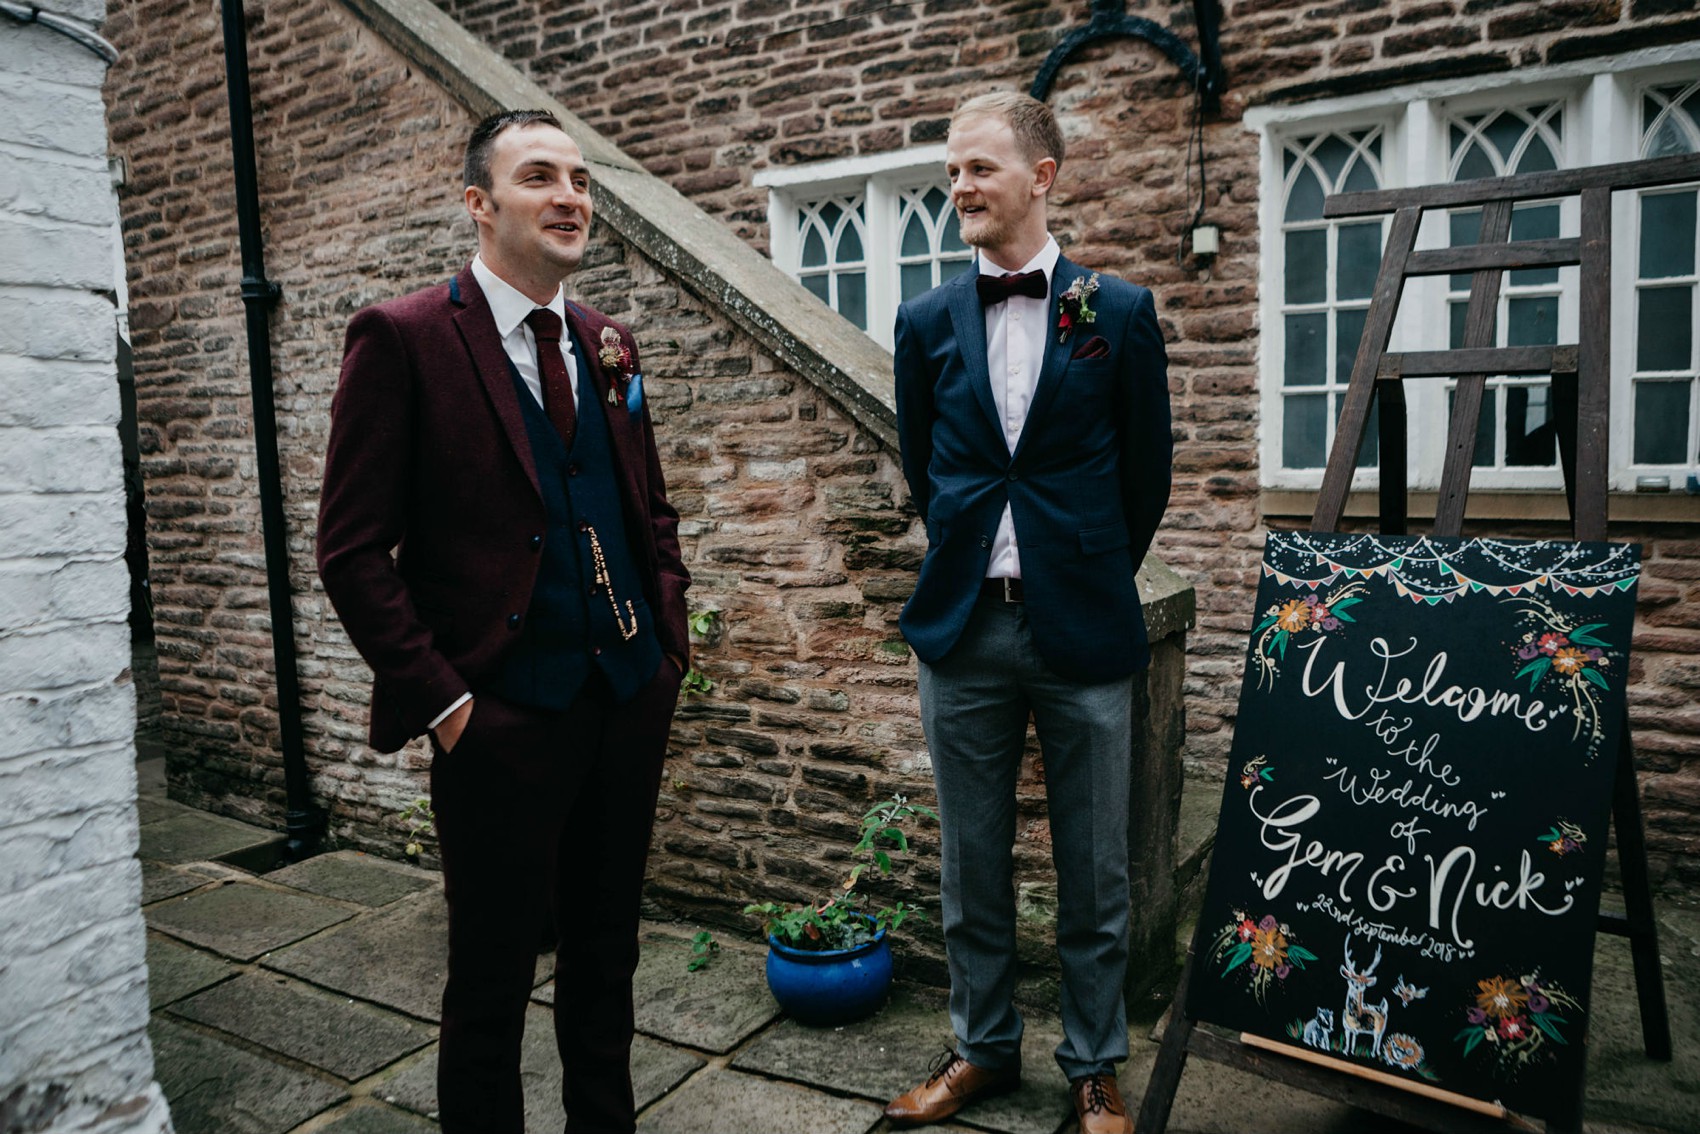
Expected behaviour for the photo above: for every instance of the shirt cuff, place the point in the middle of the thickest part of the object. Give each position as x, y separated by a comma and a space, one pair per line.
449, 712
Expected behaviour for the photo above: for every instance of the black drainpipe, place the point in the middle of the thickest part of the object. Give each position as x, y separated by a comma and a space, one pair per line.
302, 820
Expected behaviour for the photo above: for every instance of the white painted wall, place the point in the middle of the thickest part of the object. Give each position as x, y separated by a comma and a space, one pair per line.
74, 1054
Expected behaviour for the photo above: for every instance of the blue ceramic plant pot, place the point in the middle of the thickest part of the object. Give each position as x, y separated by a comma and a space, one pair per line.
833, 986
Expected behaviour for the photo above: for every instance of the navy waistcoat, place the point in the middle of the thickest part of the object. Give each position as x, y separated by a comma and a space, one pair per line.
571, 625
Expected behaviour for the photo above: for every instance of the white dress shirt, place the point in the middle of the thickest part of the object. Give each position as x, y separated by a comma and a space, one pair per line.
509, 306
1015, 352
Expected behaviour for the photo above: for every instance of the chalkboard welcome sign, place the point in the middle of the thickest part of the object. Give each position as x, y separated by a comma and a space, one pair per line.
1408, 858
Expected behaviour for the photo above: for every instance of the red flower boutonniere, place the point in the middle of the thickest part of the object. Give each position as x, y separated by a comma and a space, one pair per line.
1074, 306
616, 358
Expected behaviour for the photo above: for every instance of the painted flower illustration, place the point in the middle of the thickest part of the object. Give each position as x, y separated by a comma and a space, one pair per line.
1500, 997
1305, 615
1571, 658
1255, 773
1265, 949
1564, 838
1516, 1018
1403, 1051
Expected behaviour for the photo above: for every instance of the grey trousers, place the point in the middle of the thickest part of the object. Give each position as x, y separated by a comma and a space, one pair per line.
975, 706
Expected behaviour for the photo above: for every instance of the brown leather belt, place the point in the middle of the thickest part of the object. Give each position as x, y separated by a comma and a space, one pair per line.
1004, 590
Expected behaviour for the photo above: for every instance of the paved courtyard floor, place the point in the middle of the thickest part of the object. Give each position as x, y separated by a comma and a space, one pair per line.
305, 1000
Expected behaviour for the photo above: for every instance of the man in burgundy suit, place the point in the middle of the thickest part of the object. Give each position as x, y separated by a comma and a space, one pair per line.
495, 535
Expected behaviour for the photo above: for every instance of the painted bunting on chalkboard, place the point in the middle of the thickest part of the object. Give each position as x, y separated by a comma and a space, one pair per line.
1408, 857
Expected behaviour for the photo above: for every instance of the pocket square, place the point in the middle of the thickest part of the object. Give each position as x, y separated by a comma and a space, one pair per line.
1095, 347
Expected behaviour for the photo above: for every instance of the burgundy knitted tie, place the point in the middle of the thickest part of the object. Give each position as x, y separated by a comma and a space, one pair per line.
557, 386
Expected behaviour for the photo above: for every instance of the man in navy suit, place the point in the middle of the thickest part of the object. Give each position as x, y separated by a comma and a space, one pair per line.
495, 534
1033, 412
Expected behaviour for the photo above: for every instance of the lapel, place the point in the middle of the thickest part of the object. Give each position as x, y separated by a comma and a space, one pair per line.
968, 319
478, 330
626, 453
1056, 353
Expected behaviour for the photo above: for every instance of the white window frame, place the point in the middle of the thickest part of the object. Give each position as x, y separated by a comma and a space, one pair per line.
881, 179
1601, 125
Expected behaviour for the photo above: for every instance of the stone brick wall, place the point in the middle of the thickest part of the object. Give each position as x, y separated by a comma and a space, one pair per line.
706, 93
74, 1053
795, 522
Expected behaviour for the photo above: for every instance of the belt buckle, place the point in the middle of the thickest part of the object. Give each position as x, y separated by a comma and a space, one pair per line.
1008, 595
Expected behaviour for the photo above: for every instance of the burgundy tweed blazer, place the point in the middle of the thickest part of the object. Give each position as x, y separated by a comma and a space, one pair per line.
430, 501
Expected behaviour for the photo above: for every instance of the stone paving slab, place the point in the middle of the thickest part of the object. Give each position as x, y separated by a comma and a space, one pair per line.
881, 1057
349, 1039
190, 836
217, 1088
176, 971
162, 882
375, 1118
154, 808
354, 877
397, 957
244, 920
656, 1069
715, 1008
720, 1101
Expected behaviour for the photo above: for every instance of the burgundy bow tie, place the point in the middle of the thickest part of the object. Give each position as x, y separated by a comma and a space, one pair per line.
996, 289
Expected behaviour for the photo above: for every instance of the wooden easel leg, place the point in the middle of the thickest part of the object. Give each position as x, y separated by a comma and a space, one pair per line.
1171, 1055
1643, 929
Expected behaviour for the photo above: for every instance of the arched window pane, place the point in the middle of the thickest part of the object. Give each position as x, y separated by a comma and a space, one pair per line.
1668, 140
1538, 158
1475, 163
935, 202
1304, 201
915, 241
829, 214
849, 245
1332, 155
1503, 133
814, 249
951, 240
1361, 178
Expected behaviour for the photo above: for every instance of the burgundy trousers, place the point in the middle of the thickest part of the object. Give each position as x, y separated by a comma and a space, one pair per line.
543, 812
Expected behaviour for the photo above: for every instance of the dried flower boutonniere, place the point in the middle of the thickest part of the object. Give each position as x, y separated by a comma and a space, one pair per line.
1074, 306
616, 358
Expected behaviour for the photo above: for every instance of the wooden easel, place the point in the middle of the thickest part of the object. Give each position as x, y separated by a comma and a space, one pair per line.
1581, 384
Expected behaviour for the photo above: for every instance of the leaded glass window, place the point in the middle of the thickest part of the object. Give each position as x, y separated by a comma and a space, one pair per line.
1516, 427
930, 248
833, 259
1663, 366
1328, 274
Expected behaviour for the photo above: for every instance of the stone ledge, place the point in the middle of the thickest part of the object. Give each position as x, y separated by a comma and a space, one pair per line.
661, 223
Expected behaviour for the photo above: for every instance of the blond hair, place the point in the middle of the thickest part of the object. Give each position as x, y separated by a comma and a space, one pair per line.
1031, 121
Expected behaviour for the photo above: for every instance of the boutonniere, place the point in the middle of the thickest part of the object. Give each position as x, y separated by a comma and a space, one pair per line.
1074, 306
616, 358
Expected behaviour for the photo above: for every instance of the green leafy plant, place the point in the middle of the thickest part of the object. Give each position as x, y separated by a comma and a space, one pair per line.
839, 922
421, 820
704, 626
704, 948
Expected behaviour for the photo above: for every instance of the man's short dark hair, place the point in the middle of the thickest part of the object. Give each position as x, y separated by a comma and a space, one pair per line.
483, 140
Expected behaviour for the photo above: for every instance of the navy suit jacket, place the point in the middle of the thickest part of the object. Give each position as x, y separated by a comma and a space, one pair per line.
1086, 485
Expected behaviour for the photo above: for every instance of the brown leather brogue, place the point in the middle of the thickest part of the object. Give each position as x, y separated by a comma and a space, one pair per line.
1099, 1106
952, 1085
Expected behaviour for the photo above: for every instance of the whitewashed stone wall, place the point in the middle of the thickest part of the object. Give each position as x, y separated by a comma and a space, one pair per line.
74, 1053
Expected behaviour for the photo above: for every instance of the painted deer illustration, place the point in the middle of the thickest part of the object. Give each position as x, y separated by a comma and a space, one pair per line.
1361, 1018
1318, 1033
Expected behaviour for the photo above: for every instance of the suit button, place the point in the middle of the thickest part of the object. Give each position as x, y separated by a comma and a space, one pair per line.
513, 622
536, 543
592, 589
1013, 475
985, 541
584, 525
596, 651
572, 469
